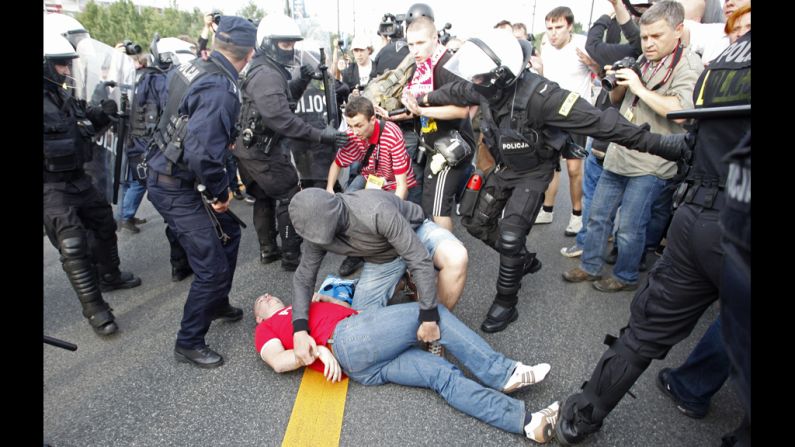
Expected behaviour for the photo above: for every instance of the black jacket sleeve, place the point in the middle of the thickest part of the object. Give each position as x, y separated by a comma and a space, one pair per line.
605, 53
459, 93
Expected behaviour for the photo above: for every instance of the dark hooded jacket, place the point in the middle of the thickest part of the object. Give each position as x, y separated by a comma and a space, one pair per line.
376, 225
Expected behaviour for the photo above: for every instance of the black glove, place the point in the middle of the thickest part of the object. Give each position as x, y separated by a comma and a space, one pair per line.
330, 135
673, 147
573, 150
109, 107
307, 72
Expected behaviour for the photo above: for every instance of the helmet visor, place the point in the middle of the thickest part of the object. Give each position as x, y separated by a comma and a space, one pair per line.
471, 64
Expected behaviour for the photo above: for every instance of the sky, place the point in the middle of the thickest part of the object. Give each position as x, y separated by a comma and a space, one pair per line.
363, 16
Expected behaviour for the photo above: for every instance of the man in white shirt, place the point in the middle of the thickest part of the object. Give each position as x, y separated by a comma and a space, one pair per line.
562, 65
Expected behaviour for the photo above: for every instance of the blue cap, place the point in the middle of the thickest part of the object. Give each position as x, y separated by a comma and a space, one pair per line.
237, 31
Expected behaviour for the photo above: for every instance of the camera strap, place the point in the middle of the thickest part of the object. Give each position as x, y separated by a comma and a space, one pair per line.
677, 57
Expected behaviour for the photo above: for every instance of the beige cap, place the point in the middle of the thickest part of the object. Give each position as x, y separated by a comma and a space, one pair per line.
360, 42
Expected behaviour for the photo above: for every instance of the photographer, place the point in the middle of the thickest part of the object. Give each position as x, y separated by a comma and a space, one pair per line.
357, 75
210, 25
662, 81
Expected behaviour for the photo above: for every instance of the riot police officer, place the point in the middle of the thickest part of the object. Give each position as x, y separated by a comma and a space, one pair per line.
523, 118
267, 126
192, 137
687, 279
77, 219
147, 106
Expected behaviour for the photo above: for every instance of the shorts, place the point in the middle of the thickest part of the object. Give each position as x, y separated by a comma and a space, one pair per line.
432, 235
439, 190
580, 140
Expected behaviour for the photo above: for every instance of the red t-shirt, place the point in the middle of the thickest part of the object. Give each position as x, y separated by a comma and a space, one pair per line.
323, 319
390, 156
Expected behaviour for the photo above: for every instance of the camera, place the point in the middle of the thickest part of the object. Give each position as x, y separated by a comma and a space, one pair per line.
444, 35
216, 17
391, 25
131, 48
609, 81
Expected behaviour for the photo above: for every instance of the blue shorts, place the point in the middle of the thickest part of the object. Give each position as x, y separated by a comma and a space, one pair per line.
432, 235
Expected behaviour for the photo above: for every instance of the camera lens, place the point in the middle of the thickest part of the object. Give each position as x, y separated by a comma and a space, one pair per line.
609, 82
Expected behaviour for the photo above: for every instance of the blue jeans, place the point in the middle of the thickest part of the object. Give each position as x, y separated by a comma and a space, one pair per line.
377, 281
356, 184
635, 195
131, 194
704, 371
231, 171
592, 170
379, 346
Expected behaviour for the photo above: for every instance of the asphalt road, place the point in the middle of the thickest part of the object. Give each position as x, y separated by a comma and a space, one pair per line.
128, 390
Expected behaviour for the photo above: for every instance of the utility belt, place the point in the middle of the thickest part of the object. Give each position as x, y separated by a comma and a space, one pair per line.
58, 177
706, 194
172, 182
262, 142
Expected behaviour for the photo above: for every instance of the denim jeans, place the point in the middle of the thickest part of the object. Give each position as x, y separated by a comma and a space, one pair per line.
704, 371
231, 171
357, 183
379, 346
377, 281
592, 170
131, 193
635, 195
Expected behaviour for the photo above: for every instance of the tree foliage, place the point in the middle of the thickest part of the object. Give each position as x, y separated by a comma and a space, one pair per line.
123, 20
251, 12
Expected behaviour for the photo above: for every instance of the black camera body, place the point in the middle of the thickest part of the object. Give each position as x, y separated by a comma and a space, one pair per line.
131, 48
444, 35
609, 81
392, 25
216, 17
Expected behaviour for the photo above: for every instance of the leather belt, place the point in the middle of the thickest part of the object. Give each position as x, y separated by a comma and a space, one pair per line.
176, 182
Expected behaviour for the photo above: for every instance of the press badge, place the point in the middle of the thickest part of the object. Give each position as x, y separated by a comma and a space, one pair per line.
374, 182
628, 114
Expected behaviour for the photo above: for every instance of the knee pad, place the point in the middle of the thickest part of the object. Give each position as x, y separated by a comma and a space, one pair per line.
510, 242
74, 246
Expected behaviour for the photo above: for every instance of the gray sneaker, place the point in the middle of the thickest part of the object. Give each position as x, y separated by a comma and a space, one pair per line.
571, 252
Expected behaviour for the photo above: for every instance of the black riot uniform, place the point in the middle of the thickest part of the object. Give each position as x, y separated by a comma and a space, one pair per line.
523, 125
77, 218
687, 279
267, 127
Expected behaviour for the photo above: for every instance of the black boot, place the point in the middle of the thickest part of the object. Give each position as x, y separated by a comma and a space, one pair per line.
509, 279
83, 278
180, 270
111, 278
291, 247
291, 260
269, 252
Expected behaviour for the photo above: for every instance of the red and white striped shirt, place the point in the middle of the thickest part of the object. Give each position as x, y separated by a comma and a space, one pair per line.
389, 158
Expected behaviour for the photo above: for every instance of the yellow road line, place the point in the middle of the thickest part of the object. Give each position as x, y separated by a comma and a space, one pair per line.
316, 420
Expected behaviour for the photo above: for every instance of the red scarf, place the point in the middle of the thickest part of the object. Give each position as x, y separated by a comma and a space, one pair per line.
422, 81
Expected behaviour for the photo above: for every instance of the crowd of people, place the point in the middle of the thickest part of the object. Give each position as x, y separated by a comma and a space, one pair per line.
650, 110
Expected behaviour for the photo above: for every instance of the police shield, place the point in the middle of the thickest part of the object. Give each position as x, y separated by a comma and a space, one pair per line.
181, 51
311, 159
104, 73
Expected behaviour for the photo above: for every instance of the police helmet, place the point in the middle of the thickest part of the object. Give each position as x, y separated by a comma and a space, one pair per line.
418, 10
57, 51
277, 28
492, 61
66, 26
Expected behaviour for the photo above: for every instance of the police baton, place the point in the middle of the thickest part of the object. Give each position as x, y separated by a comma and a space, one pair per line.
121, 135
332, 119
210, 200
712, 112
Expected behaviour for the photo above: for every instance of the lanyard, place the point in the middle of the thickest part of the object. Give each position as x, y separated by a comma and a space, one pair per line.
668, 73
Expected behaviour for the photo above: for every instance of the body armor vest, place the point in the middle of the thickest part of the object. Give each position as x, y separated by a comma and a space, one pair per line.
517, 141
67, 133
253, 131
170, 133
144, 117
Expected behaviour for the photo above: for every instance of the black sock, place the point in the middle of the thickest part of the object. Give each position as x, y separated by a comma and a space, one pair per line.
576, 212
528, 417
548, 208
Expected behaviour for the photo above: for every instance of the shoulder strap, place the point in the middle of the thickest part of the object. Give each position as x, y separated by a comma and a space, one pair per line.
370, 149
186, 74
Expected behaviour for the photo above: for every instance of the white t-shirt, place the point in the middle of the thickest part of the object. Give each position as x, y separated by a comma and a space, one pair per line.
564, 67
364, 72
707, 39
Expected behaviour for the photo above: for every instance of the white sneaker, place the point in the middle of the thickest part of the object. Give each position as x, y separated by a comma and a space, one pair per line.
575, 225
544, 217
524, 375
571, 252
542, 424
